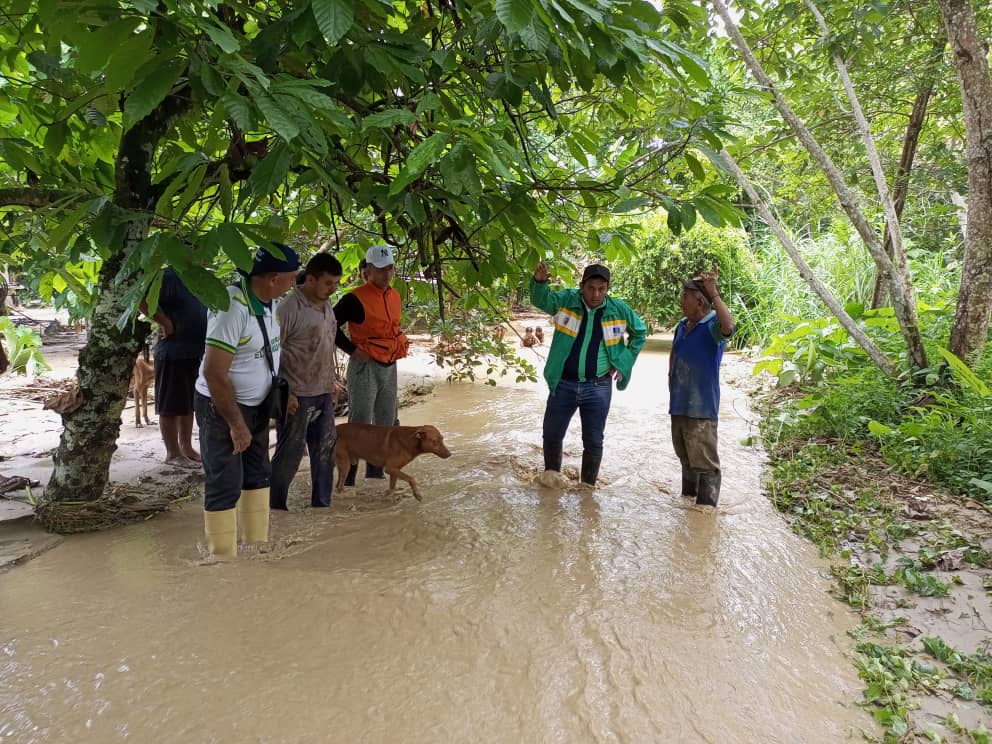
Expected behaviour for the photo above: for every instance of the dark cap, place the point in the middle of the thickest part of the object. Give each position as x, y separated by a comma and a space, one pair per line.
269, 263
696, 283
596, 270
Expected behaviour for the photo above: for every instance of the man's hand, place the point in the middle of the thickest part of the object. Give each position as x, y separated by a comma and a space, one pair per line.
167, 326
616, 374
360, 355
542, 273
240, 437
292, 405
709, 281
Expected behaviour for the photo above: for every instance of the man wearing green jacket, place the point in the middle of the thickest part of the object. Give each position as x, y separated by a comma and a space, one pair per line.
596, 340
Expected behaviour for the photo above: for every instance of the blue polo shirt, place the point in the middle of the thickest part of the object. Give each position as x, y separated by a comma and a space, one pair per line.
694, 386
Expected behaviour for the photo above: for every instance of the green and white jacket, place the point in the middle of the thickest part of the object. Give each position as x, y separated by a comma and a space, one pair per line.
624, 332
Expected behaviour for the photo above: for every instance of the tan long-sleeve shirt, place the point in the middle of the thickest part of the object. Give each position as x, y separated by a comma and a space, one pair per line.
306, 333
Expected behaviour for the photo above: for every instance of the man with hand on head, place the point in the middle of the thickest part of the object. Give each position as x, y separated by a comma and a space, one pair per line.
694, 385
231, 402
307, 328
596, 341
375, 341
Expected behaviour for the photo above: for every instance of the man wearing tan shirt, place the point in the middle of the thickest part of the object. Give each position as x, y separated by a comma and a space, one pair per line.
306, 330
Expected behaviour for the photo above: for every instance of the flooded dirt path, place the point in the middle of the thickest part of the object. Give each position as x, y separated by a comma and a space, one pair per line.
496, 610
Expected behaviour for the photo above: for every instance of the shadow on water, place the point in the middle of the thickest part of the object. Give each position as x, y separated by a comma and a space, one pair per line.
496, 610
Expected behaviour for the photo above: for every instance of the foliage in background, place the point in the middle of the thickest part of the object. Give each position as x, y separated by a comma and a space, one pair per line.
23, 348
940, 430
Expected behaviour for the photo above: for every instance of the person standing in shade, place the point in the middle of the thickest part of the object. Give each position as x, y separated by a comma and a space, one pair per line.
372, 313
182, 319
307, 328
231, 402
694, 385
596, 341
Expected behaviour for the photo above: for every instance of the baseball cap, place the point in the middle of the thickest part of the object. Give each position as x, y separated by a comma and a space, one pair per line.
596, 271
380, 256
268, 263
696, 283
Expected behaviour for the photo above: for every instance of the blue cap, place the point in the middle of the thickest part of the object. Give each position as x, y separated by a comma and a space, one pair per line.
268, 263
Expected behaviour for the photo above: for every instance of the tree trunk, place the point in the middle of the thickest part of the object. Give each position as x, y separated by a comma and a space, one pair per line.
89, 439
901, 289
901, 189
971, 319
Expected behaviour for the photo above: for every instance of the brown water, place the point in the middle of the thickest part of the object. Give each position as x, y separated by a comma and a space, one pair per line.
494, 611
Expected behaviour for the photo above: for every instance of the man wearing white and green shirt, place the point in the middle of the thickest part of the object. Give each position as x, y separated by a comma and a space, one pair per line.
231, 390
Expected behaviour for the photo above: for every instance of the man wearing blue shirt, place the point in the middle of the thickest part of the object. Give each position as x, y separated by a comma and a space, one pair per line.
694, 385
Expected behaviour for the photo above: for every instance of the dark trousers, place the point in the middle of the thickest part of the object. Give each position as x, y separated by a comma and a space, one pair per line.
312, 425
592, 399
226, 474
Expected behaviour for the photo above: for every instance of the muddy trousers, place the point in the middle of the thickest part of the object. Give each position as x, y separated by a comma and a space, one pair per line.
695, 441
313, 426
372, 399
592, 400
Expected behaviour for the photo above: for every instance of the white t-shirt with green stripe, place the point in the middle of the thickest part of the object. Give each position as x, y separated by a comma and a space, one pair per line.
236, 331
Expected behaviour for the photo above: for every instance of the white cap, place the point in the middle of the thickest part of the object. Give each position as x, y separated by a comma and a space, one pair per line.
380, 256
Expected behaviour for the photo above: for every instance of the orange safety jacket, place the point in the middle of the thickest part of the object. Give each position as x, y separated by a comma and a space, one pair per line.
379, 335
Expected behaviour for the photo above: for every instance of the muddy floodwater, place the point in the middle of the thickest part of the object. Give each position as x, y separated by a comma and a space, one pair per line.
495, 611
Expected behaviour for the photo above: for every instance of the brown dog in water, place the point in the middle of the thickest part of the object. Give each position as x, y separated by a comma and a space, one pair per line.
388, 447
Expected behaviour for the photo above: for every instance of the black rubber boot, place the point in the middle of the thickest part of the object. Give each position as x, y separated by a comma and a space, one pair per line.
349, 480
552, 458
690, 479
590, 468
708, 493
373, 471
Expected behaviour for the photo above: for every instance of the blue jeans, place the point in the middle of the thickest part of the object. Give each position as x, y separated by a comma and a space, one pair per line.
313, 425
592, 399
226, 474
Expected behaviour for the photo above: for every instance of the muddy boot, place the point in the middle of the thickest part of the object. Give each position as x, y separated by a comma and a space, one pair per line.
349, 479
221, 530
690, 479
708, 491
253, 515
552, 458
373, 471
590, 468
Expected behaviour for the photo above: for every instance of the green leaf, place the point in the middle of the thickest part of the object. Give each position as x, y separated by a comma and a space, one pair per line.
154, 290
282, 122
535, 35
388, 118
225, 191
95, 48
878, 429
221, 36
238, 109
55, 138
515, 15
126, 59
270, 174
423, 155
192, 190
629, 205
151, 91
204, 285
963, 374
695, 167
334, 18
234, 245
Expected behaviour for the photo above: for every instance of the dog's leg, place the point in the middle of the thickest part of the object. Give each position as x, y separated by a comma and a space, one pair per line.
137, 407
395, 473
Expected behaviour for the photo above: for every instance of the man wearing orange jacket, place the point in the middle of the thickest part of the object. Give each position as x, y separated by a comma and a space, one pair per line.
372, 313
